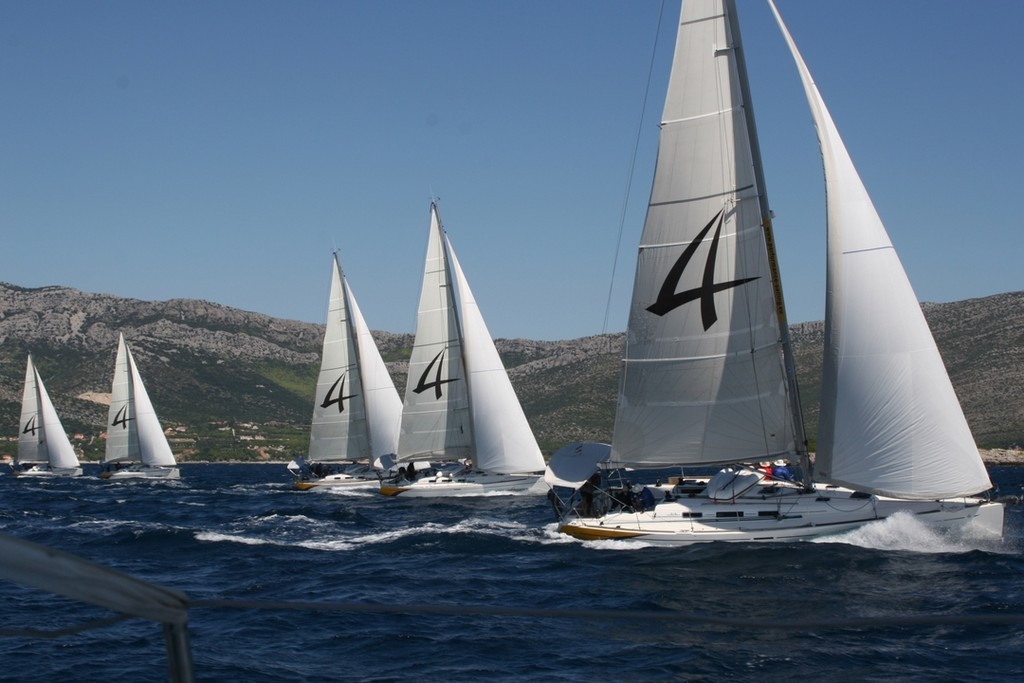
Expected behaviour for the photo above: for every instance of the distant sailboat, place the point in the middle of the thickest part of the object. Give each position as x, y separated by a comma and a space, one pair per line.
708, 377
136, 445
43, 447
357, 411
463, 429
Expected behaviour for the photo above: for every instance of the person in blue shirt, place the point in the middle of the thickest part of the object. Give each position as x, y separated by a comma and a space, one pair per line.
781, 471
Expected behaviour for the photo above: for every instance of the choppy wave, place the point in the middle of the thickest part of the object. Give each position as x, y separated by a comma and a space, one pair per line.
904, 531
242, 533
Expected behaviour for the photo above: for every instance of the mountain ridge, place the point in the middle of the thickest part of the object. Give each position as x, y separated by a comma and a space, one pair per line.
210, 368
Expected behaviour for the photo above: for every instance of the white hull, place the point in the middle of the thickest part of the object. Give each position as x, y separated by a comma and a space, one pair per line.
45, 471
788, 514
340, 480
142, 472
468, 484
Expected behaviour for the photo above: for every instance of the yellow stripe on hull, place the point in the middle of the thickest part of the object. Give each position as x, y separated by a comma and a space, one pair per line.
589, 533
392, 490
304, 485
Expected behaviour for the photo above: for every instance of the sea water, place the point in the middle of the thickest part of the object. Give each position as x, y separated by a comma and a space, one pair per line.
241, 533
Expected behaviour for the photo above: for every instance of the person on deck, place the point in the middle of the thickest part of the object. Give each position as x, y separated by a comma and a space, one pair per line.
781, 471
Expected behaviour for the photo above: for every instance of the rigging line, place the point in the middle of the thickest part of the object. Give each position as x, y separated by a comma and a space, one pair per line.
632, 170
639, 616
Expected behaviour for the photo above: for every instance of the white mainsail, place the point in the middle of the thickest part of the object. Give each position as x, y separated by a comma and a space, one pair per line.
435, 418
459, 402
133, 429
890, 421
42, 438
357, 410
704, 375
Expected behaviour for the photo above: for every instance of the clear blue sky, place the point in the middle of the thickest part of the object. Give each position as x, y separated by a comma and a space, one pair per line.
221, 150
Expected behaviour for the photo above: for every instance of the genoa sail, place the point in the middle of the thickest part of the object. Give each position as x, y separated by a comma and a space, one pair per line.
890, 421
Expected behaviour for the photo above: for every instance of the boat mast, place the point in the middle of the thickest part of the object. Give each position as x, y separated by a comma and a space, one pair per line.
799, 435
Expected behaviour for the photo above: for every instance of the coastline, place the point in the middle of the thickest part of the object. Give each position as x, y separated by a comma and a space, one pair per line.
1002, 456
990, 456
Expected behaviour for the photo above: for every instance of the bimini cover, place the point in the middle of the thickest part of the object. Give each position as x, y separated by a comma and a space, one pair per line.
572, 464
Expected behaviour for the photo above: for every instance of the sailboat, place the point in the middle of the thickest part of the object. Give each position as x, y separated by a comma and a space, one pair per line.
43, 447
463, 429
136, 445
358, 410
708, 379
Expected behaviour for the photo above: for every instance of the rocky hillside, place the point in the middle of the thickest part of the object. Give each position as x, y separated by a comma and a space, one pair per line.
211, 367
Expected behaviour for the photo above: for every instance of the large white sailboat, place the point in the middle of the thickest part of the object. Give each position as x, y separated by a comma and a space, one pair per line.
43, 446
136, 445
708, 377
463, 429
357, 412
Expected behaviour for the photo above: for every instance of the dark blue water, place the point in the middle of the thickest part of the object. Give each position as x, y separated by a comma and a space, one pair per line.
241, 532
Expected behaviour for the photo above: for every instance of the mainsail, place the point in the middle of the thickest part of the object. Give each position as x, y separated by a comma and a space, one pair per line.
704, 376
133, 429
890, 420
357, 409
435, 417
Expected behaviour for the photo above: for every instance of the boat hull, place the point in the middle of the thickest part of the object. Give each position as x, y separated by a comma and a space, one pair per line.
469, 484
142, 473
48, 472
345, 481
784, 518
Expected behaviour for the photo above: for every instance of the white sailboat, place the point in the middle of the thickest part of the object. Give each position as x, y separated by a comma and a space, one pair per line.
43, 447
708, 376
136, 445
463, 429
357, 412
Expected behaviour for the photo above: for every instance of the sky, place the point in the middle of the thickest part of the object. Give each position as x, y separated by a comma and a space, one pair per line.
222, 150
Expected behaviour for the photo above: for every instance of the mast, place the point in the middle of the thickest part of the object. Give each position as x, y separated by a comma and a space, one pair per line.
799, 433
